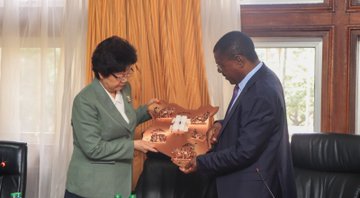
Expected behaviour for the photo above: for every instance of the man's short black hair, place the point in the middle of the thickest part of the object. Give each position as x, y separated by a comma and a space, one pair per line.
236, 43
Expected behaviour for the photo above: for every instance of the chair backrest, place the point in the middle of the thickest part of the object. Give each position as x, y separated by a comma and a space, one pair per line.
13, 167
327, 165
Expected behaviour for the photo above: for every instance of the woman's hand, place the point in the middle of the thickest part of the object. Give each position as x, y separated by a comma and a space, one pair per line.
144, 146
152, 104
152, 101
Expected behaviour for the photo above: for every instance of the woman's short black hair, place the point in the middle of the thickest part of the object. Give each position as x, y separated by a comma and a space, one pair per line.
112, 55
236, 43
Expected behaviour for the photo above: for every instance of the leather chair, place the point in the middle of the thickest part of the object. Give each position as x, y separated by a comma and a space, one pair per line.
13, 164
327, 165
162, 179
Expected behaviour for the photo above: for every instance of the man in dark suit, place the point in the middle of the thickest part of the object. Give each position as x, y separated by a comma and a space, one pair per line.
251, 155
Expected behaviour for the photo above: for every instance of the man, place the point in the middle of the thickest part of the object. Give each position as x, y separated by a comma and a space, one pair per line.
251, 157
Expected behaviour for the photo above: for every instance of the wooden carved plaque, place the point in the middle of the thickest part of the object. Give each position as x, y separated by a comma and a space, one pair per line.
179, 133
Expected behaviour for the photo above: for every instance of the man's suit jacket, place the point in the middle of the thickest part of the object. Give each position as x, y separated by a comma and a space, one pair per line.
101, 164
254, 136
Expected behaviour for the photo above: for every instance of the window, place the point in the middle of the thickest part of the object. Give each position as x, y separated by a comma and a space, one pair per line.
35, 3
38, 90
355, 2
298, 66
35, 59
42, 49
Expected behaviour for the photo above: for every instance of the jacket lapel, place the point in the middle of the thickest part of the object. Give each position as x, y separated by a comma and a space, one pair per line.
105, 100
248, 85
129, 110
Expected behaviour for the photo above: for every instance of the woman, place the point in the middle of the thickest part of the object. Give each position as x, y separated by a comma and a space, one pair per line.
103, 122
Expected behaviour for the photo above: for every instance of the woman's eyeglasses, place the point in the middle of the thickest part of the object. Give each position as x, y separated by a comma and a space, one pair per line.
123, 77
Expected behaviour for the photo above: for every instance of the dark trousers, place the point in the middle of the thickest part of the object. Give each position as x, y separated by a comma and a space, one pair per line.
71, 195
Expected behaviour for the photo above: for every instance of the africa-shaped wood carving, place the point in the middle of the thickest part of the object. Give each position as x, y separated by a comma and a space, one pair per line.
179, 133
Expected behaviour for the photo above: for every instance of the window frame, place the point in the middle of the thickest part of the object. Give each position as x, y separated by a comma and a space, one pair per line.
357, 92
316, 42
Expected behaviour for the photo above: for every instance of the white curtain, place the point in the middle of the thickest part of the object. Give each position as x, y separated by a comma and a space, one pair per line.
42, 68
218, 18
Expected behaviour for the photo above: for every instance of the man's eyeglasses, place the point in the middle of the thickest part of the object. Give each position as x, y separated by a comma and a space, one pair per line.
123, 77
219, 68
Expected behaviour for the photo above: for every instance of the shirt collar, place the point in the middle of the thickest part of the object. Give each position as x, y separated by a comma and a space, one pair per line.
244, 81
118, 97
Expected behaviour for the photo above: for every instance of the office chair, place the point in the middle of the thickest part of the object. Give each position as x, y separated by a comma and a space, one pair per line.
327, 165
13, 167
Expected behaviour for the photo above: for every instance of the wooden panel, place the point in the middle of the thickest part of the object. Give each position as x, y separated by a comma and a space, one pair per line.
355, 18
328, 5
353, 5
352, 56
284, 19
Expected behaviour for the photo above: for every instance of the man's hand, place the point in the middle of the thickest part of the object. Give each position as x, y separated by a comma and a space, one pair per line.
190, 167
213, 133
